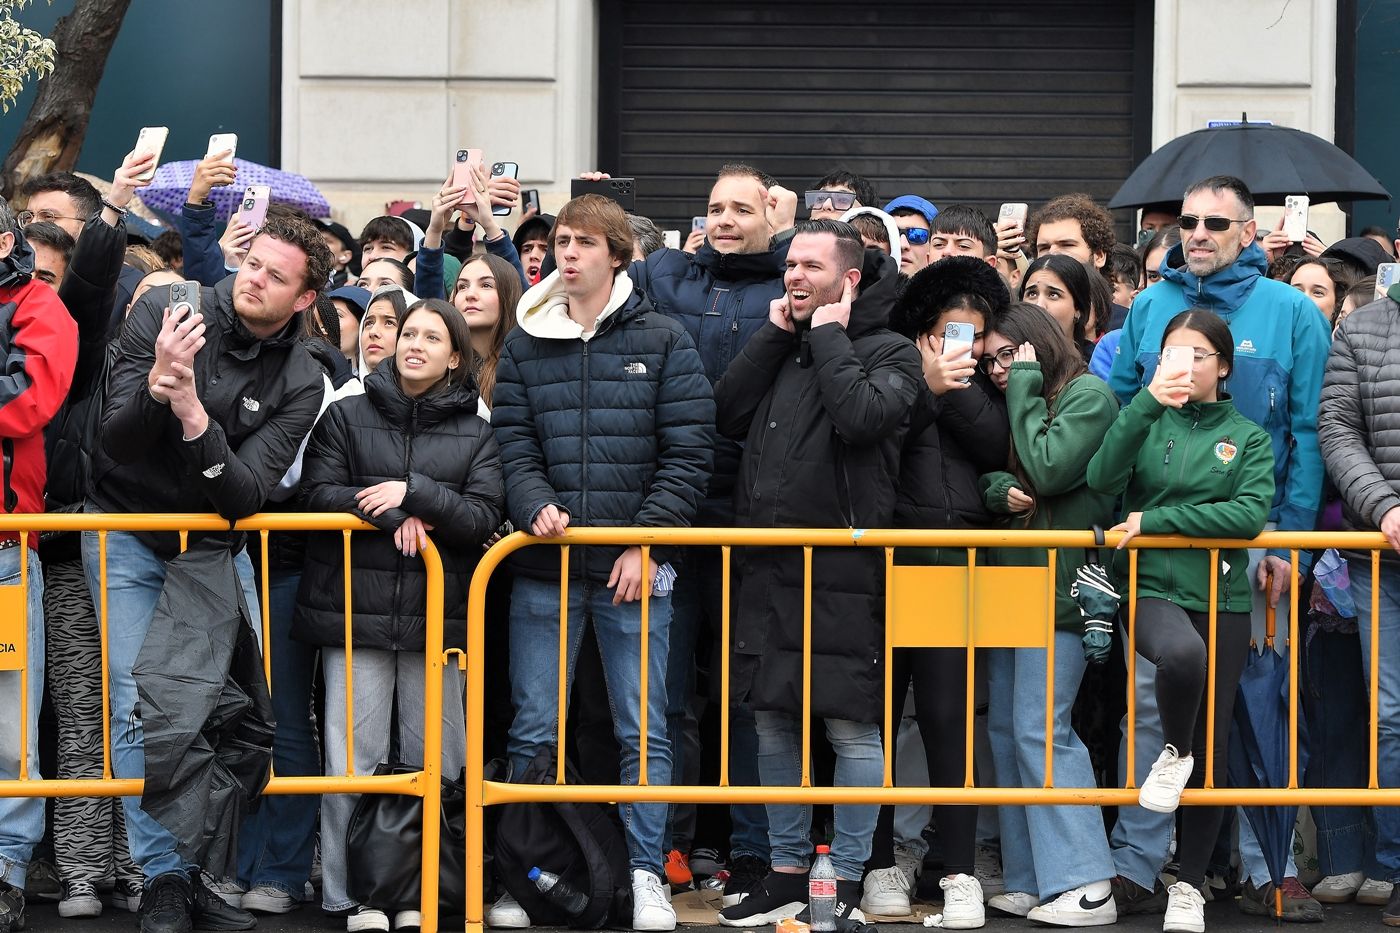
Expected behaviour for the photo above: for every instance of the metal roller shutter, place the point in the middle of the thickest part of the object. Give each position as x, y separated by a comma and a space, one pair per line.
956, 102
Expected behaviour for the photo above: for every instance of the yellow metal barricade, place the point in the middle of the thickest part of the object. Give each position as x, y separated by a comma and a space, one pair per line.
972, 606
425, 783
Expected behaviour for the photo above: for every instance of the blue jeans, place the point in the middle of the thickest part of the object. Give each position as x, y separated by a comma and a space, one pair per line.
21, 818
135, 577
1036, 840
1388, 741
277, 840
534, 686
860, 762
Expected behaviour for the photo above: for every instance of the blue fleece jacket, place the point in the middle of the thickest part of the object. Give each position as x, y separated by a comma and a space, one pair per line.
1281, 346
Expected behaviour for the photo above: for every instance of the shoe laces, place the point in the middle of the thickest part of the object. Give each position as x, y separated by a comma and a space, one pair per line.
958, 889
890, 879
646, 890
166, 894
1293, 889
1184, 891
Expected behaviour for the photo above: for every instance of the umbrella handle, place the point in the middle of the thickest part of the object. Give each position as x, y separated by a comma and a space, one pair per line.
1270, 613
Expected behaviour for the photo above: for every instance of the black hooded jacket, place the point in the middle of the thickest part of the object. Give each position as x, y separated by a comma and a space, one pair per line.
823, 414
446, 454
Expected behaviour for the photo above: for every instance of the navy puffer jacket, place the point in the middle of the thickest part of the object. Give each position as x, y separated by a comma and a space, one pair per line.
722, 300
615, 430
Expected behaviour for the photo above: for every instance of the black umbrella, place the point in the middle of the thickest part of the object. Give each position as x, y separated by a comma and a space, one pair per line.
205, 709
1258, 755
1274, 161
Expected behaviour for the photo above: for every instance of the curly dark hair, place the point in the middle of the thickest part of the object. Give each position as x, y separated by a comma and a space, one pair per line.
952, 282
1095, 223
302, 234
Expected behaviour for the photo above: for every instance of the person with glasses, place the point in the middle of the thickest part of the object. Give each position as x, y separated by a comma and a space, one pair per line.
1187, 462
1280, 346
838, 192
1056, 862
914, 217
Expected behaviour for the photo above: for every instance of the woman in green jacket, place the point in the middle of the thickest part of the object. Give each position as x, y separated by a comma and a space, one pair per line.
1187, 462
1059, 415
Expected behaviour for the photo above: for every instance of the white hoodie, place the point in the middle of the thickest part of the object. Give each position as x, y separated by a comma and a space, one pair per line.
544, 310
891, 227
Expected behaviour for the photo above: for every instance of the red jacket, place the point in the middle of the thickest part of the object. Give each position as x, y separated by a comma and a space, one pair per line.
39, 349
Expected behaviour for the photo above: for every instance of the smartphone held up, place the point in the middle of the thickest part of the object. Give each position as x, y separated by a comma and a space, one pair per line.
252, 210
150, 141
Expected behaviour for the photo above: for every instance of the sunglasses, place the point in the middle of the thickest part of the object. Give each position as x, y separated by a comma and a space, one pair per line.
840, 200
916, 236
1189, 222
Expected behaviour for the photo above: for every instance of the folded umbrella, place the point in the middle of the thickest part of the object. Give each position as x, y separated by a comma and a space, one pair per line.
1273, 161
167, 192
1098, 603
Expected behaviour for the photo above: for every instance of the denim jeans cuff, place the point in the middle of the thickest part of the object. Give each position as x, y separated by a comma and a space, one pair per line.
13, 873
790, 863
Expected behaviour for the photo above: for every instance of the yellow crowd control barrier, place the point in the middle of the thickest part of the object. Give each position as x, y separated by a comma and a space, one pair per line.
972, 606
425, 783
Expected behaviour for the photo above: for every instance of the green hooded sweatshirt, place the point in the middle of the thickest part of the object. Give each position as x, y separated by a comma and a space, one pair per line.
1053, 448
1202, 470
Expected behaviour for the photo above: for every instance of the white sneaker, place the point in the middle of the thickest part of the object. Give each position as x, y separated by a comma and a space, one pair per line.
1374, 893
1338, 889
227, 890
962, 904
911, 862
269, 899
1078, 908
79, 900
1015, 903
1186, 910
886, 892
650, 908
1161, 792
364, 918
988, 870
408, 920
507, 914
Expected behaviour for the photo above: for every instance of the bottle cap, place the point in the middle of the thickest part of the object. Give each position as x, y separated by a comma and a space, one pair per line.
823, 850
533, 874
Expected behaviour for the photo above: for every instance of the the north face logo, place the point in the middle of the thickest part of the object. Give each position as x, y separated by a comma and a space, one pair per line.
635, 369
251, 404
214, 471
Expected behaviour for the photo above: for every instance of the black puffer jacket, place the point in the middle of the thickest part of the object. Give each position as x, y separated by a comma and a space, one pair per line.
1358, 423
262, 397
614, 430
444, 451
824, 436
721, 299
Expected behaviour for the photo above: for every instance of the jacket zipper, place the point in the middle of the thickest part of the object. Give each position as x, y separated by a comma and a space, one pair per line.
583, 443
1181, 476
11, 497
398, 577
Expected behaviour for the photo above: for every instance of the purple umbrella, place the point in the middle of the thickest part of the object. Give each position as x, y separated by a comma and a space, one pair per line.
168, 190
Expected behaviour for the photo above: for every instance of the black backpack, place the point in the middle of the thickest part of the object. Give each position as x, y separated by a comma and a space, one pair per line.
582, 843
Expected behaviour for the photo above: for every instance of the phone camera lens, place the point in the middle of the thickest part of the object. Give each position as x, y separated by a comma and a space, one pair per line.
248, 204
461, 157
497, 169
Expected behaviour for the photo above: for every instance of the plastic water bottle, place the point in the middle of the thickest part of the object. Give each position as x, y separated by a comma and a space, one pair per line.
821, 893
559, 892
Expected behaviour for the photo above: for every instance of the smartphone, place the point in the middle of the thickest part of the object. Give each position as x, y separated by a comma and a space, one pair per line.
503, 170
252, 210
671, 239
958, 335
220, 142
184, 295
621, 190
1295, 217
1177, 363
697, 223
464, 166
530, 198
1013, 211
1387, 277
151, 139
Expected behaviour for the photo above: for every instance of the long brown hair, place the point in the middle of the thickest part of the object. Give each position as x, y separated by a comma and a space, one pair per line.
458, 334
508, 291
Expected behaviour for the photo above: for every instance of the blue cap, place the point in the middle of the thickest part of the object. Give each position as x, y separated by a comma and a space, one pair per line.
533, 874
912, 202
356, 297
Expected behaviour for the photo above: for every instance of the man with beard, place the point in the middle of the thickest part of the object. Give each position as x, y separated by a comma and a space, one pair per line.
821, 396
1281, 346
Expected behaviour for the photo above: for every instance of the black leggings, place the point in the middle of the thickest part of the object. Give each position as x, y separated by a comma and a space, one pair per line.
1174, 639
940, 707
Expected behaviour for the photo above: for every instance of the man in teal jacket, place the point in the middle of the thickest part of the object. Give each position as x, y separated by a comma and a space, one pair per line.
1281, 346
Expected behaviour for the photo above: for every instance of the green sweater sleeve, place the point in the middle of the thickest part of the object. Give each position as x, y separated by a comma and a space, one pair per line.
1113, 466
1055, 451
1241, 516
994, 488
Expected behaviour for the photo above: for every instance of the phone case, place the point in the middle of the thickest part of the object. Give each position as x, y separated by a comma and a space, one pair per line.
1387, 276
185, 294
671, 239
252, 209
151, 139
1295, 217
1013, 211
959, 334
1176, 362
621, 190
697, 223
503, 170
221, 141
529, 199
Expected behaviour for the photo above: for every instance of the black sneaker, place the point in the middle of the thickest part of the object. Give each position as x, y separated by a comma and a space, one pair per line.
167, 904
1299, 906
212, 912
12, 908
779, 896
1132, 898
1391, 915
848, 912
746, 873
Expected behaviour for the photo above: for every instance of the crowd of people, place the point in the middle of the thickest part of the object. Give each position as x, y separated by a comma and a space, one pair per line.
437, 376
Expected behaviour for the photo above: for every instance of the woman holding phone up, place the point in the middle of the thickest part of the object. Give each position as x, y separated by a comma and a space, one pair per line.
1055, 858
1187, 462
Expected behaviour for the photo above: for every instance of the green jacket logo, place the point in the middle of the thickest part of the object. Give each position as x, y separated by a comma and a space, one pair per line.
1225, 451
